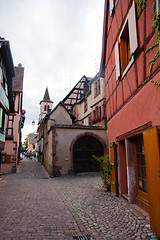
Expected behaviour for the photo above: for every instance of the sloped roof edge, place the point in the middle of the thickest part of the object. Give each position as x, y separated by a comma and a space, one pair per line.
104, 39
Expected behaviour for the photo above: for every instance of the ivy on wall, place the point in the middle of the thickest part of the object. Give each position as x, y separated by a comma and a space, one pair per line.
156, 26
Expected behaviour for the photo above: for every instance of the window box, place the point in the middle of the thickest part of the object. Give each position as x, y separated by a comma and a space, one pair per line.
104, 116
96, 119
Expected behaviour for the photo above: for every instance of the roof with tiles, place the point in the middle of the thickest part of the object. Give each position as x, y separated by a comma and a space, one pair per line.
46, 95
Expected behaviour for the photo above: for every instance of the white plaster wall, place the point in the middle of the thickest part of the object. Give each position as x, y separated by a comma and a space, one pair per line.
96, 99
91, 100
42, 112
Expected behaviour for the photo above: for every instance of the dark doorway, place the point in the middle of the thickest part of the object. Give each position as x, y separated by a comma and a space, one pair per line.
83, 150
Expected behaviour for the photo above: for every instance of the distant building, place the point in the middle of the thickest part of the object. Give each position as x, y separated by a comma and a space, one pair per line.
32, 140
7, 72
45, 105
91, 109
66, 145
15, 122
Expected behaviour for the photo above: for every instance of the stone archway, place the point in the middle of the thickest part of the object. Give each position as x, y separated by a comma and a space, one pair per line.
83, 149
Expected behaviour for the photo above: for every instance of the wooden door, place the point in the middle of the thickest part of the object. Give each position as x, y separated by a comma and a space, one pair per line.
114, 171
152, 155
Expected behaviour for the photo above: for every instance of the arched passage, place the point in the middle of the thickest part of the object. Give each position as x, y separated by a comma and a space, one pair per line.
83, 149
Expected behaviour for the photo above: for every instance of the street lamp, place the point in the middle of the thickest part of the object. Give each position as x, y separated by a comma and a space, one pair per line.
33, 122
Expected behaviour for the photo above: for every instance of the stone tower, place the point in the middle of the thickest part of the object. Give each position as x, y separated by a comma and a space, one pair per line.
45, 105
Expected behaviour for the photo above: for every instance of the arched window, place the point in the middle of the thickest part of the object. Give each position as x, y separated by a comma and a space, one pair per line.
45, 108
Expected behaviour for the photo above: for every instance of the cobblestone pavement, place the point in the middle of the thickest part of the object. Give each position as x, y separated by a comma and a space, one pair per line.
34, 206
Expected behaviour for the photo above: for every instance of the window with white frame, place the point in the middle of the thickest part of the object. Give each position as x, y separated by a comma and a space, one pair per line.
126, 44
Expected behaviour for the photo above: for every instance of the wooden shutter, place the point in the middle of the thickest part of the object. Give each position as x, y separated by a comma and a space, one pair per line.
151, 139
123, 55
132, 29
117, 62
8, 158
114, 172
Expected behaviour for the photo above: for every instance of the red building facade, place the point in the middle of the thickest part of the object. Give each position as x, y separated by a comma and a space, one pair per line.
132, 106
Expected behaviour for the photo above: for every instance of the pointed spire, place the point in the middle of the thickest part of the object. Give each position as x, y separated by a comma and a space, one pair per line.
46, 95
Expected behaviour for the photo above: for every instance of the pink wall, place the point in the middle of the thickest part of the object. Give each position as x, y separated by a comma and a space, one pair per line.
142, 108
12, 146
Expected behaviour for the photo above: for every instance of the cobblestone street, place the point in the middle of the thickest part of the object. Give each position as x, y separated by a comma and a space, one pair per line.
35, 206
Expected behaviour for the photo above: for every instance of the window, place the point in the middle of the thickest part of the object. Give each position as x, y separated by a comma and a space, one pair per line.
3, 158
126, 44
96, 111
9, 131
97, 88
94, 114
3, 118
45, 108
90, 120
104, 109
85, 105
124, 49
99, 112
141, 169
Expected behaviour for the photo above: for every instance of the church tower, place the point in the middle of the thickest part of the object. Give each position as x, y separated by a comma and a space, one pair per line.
45, 105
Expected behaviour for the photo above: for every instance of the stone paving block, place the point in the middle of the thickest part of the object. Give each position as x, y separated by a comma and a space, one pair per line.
34, 206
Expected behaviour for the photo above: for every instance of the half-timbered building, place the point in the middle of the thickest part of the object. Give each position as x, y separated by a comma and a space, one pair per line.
7, 72
14, 124
91, 109
132, 102
66, 144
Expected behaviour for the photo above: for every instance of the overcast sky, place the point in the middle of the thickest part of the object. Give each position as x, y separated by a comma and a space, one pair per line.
57, 42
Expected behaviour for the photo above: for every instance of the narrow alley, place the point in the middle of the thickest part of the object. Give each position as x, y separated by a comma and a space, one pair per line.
35, 206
